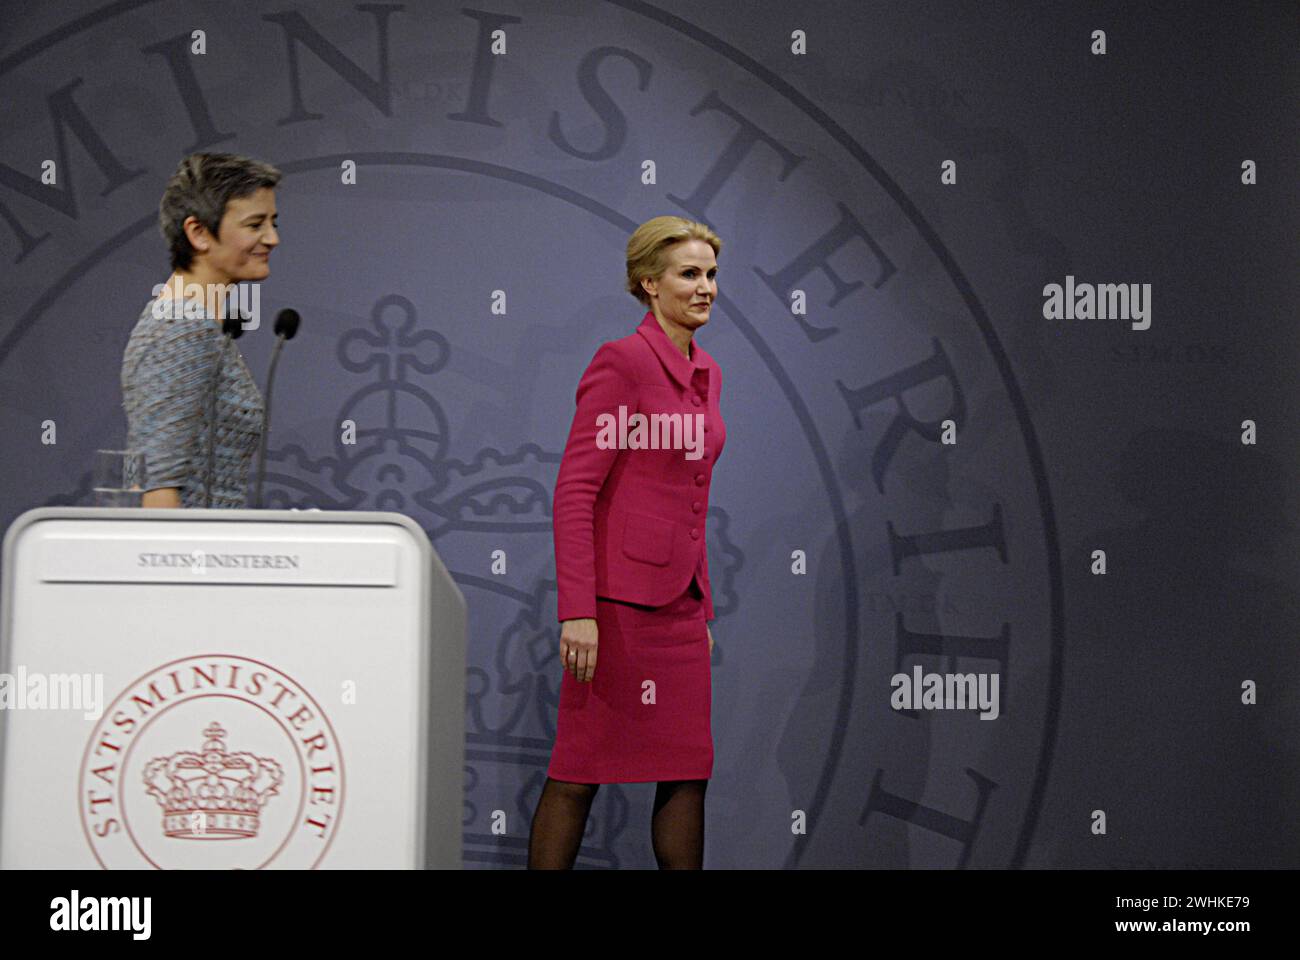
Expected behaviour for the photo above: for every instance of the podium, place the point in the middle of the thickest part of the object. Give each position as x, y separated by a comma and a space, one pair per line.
229, 689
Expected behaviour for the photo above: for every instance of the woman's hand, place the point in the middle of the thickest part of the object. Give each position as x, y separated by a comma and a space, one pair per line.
578, 648
161, 497
710, 632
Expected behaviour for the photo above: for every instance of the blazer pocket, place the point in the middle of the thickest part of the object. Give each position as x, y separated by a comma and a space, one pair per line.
648, 539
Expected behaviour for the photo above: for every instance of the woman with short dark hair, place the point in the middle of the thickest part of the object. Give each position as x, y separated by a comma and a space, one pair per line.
218, 217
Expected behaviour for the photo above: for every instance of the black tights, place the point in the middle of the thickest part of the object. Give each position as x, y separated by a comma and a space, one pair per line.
676, 828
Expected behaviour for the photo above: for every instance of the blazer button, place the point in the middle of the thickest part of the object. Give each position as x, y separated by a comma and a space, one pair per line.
695, 534
699, 479
696, 507
695, 399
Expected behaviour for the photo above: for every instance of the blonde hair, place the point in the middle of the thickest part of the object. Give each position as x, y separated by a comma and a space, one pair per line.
647, 249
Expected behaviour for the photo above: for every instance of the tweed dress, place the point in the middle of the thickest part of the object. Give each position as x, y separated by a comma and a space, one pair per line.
166, 372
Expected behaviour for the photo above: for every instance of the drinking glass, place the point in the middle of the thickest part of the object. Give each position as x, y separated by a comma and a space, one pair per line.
119, 478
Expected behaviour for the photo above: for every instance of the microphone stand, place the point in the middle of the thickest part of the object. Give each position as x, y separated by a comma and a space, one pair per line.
266, 423
286, 325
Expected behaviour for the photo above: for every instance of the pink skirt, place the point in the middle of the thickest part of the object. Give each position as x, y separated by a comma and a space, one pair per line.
645, 715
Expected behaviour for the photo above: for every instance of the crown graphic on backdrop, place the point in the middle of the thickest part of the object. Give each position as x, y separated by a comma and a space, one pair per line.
212, 794
400, 459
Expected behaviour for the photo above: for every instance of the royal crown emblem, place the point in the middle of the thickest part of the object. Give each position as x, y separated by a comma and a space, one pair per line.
213, 794
398, 455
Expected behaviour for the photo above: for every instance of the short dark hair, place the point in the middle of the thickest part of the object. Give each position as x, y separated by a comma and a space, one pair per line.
201, 187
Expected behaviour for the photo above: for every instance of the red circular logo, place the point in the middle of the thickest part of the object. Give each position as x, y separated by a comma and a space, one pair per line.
212, 762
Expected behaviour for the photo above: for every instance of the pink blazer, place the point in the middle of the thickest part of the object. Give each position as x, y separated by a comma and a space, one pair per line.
630, 523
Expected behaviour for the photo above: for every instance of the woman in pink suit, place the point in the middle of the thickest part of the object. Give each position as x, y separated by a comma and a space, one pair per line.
631, 562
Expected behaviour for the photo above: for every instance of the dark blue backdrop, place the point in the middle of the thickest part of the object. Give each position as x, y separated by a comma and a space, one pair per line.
523, 172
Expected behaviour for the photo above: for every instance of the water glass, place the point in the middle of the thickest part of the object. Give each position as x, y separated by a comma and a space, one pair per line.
118, 478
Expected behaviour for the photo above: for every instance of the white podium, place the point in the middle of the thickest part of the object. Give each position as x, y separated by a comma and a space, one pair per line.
229, 689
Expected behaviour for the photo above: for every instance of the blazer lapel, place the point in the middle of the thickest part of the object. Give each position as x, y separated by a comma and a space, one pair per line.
678, 367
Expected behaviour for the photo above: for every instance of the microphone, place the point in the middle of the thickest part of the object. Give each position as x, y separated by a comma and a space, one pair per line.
232, 327
286, 325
